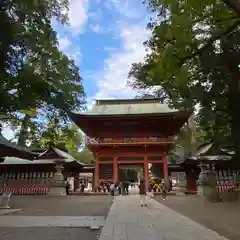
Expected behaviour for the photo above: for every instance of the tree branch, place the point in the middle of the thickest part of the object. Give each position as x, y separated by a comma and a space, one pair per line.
233, 4
210, 42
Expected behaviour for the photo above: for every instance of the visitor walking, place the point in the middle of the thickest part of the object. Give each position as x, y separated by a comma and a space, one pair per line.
164, 191
142, 193
120, 188
67, 187
112, 189
127, 187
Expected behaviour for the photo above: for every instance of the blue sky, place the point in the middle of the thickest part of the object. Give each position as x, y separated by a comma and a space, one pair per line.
104, 38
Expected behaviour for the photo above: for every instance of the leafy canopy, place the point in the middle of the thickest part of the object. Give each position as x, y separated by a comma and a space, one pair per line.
193, 43
34, 73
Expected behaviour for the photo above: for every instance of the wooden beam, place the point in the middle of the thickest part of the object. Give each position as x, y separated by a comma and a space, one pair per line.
130, 162
124, 154
106, 162
155, 161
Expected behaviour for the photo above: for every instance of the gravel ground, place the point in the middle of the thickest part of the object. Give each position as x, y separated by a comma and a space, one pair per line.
47, 234
61, 206
55, 206
220, 217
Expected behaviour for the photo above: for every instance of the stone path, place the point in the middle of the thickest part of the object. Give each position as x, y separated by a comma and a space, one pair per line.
8, 211
52, 221
127, 220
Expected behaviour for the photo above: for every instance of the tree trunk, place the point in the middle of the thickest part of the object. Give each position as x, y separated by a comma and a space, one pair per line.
193, 141
232, 70
234, 100
24, 131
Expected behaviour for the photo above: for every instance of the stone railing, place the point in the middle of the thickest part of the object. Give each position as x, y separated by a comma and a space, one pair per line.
128, 140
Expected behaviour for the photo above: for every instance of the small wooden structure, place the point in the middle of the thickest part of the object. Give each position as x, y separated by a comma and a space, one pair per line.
213, 157
21, 176
8, 149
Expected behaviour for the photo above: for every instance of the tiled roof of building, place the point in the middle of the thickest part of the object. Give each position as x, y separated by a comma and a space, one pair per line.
55, 154
130, 109
20, 161
10, 149
212, 152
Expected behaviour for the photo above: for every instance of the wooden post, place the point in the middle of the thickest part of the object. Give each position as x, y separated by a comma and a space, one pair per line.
115, 170
96, 174
146, 173
165, 170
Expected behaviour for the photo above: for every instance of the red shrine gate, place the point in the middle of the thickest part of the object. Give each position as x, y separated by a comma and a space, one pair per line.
117, 154
129, 132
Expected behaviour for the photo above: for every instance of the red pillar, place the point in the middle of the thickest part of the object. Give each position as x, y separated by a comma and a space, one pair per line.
115, 170
146, 173
165, 170
96, 173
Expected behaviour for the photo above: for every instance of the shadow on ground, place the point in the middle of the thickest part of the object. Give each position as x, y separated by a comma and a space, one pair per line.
220, 217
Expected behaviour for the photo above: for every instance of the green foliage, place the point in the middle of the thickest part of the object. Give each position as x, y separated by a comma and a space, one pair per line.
37, 80
67, 137
85, 156
194, 58
34, 73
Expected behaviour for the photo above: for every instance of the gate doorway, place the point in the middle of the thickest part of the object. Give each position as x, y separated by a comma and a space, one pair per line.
129, 175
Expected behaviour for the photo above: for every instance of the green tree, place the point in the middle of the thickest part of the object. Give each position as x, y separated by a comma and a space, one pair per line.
194, 58
67, 137
34, 73
85, 156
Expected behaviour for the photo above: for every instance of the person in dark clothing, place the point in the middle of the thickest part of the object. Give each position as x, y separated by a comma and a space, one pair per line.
127, 187
67, 187
82, 187
142, 193
164, 191
170, 185
120, 188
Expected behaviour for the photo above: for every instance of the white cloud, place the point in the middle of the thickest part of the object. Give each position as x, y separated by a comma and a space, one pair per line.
77, 57
96, 28
78, 10
64, 43
96, 15
112, 81
115, 74
127, 8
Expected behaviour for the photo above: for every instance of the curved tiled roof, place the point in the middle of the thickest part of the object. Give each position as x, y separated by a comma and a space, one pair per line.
130, 109
12, 150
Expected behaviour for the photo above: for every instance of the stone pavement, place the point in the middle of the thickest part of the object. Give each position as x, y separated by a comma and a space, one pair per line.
127, 220
221, 217
8, 211
93, 222
51, 218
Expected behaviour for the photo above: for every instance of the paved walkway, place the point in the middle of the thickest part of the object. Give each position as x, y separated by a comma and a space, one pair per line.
93, 222
127, 220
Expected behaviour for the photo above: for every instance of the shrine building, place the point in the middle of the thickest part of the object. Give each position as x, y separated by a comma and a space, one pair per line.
130, 132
